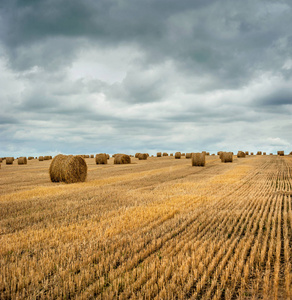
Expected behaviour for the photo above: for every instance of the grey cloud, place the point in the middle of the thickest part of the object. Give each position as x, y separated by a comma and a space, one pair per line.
277, 98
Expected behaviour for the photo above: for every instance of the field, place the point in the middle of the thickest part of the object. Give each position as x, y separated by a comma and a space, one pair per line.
154, 229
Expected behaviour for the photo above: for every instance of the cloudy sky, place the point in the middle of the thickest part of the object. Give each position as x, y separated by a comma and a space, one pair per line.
91, 76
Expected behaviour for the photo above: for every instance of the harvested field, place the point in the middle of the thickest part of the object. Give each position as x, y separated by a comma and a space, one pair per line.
155, 228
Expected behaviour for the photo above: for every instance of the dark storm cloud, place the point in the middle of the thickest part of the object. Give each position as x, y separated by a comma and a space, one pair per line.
277, 98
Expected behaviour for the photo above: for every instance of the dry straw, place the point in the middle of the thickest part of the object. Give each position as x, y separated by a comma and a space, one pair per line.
246, 152
137, 155
158, 154
47, 157
101, 159
41, 158
280, 153
165, 154
240, 154
142, 156
107, 156
68, 169
259, 153
122, 159
199, 159
171, 154
264, 153
227, 157
9, 160
91, 155
251, 153
22, 161
177, 155
30, 158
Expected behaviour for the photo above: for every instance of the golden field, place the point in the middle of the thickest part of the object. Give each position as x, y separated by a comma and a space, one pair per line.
154, 229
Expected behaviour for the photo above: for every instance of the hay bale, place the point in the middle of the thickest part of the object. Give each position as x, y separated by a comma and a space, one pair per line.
137, 154
259, 153
188, 155
227, 157
122, 159
251, 153
199, 159
171, 154
246, 152
68, 169
30, 158
177, 155
9, 160
46, 157
240, 154
207, 153
165, 154
221, 154
183, 154
101, 159
158, 154
280, 153
290, 153
1, 159
41, 158
142, 156
107, 156
271, 153
91, 156
86, 156
264, 153
22, 161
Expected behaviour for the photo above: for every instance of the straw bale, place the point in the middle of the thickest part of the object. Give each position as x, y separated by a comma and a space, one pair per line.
199, 159
101, 159
240, 154
22, 160
227, 157
9, 160
158, 154
165, 154
177, 155
122, 159
68, 169
280, 153
142, 156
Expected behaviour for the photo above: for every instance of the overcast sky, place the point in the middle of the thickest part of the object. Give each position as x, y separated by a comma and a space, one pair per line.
83, 77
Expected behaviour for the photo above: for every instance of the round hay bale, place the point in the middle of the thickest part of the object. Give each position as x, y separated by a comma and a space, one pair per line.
107, 156
198, 159
264, 153
30, 158
86, 156
46, 157
137, 155
240, 154
68, 169
1, 160
171, 154
188, 155
183, 154
259, 153
207, 153
177, 155
142, 156
122, 159
271, 153
91, 156
9, 160
101, 159
251, 153
165, 154
246, 152
158, 154
227, 157
280, 153
290, 153
22, 161
41, 158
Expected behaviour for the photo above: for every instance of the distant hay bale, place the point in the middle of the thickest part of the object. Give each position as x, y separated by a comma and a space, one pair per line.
177, 155
240, 154
68, 169
227, 157
251, 153
142, 156
183, 154
259, 153
107, 156
246, 153
46, 157
137, 154
91, 156
165, 154
86, 156
101, 159
198, 159
122, 159
1, 160
158, 154
30, 158
207, 153
188, 155
271, 153
41, 158
171, 154
221, 154
264, 153
9, 160
280, 153
290, 153
22, 161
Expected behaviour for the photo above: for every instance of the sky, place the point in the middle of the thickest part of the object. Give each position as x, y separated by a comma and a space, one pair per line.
127, 76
